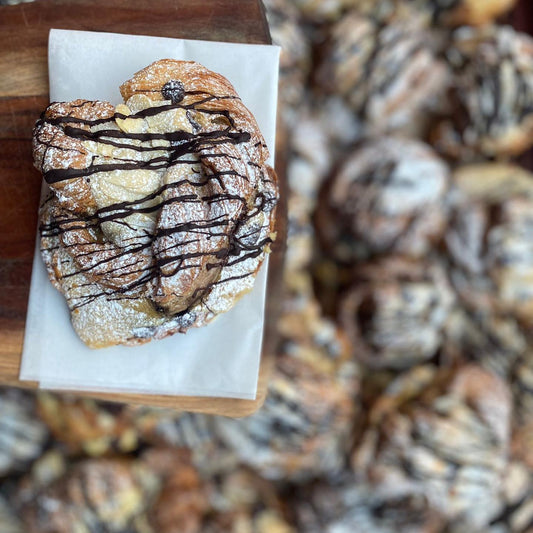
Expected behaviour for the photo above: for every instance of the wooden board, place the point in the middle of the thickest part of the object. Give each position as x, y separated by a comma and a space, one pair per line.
24, 95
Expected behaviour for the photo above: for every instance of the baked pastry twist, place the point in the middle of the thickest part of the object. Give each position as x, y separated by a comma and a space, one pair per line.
395, 311
386, 197
492, 94
105, 494
388, 74
442, 433
162, 208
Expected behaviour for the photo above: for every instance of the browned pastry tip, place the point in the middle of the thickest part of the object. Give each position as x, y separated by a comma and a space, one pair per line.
162, 208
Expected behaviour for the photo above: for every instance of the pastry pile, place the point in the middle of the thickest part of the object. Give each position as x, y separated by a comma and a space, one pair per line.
401, 398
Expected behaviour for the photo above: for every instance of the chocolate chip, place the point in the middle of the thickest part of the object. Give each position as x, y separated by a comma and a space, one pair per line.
174, 91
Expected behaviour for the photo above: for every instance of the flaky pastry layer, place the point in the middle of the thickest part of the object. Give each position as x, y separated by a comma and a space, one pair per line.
161, 209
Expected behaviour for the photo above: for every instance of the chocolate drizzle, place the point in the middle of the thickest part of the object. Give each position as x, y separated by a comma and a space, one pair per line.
181, 142
228, 189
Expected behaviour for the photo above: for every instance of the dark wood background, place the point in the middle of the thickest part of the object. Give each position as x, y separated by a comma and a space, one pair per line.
24, 95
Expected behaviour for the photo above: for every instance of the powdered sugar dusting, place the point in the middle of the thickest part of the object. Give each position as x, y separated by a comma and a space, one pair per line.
163, 212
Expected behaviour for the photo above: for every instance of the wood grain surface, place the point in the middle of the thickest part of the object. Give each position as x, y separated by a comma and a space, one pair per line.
24, 95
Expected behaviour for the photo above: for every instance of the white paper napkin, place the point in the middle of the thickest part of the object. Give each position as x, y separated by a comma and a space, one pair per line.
220, 359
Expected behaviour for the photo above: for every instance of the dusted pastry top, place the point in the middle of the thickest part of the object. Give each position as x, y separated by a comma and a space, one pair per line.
161, 210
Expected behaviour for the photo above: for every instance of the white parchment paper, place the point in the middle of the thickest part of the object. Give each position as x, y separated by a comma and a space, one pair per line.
220, 359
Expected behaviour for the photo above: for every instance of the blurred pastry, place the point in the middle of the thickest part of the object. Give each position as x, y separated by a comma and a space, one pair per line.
492, 95
395, 311
162, 208
23, 435
489, 239
517, 515
316, 144
182, 501
9, 523
295, 57
346, 506
311, 158
86, 425
389, 74
304, 330
169, 428
307, 167
294, 436
241, 501
388, 196
94, 495
304, 427
442, 434
494, 341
